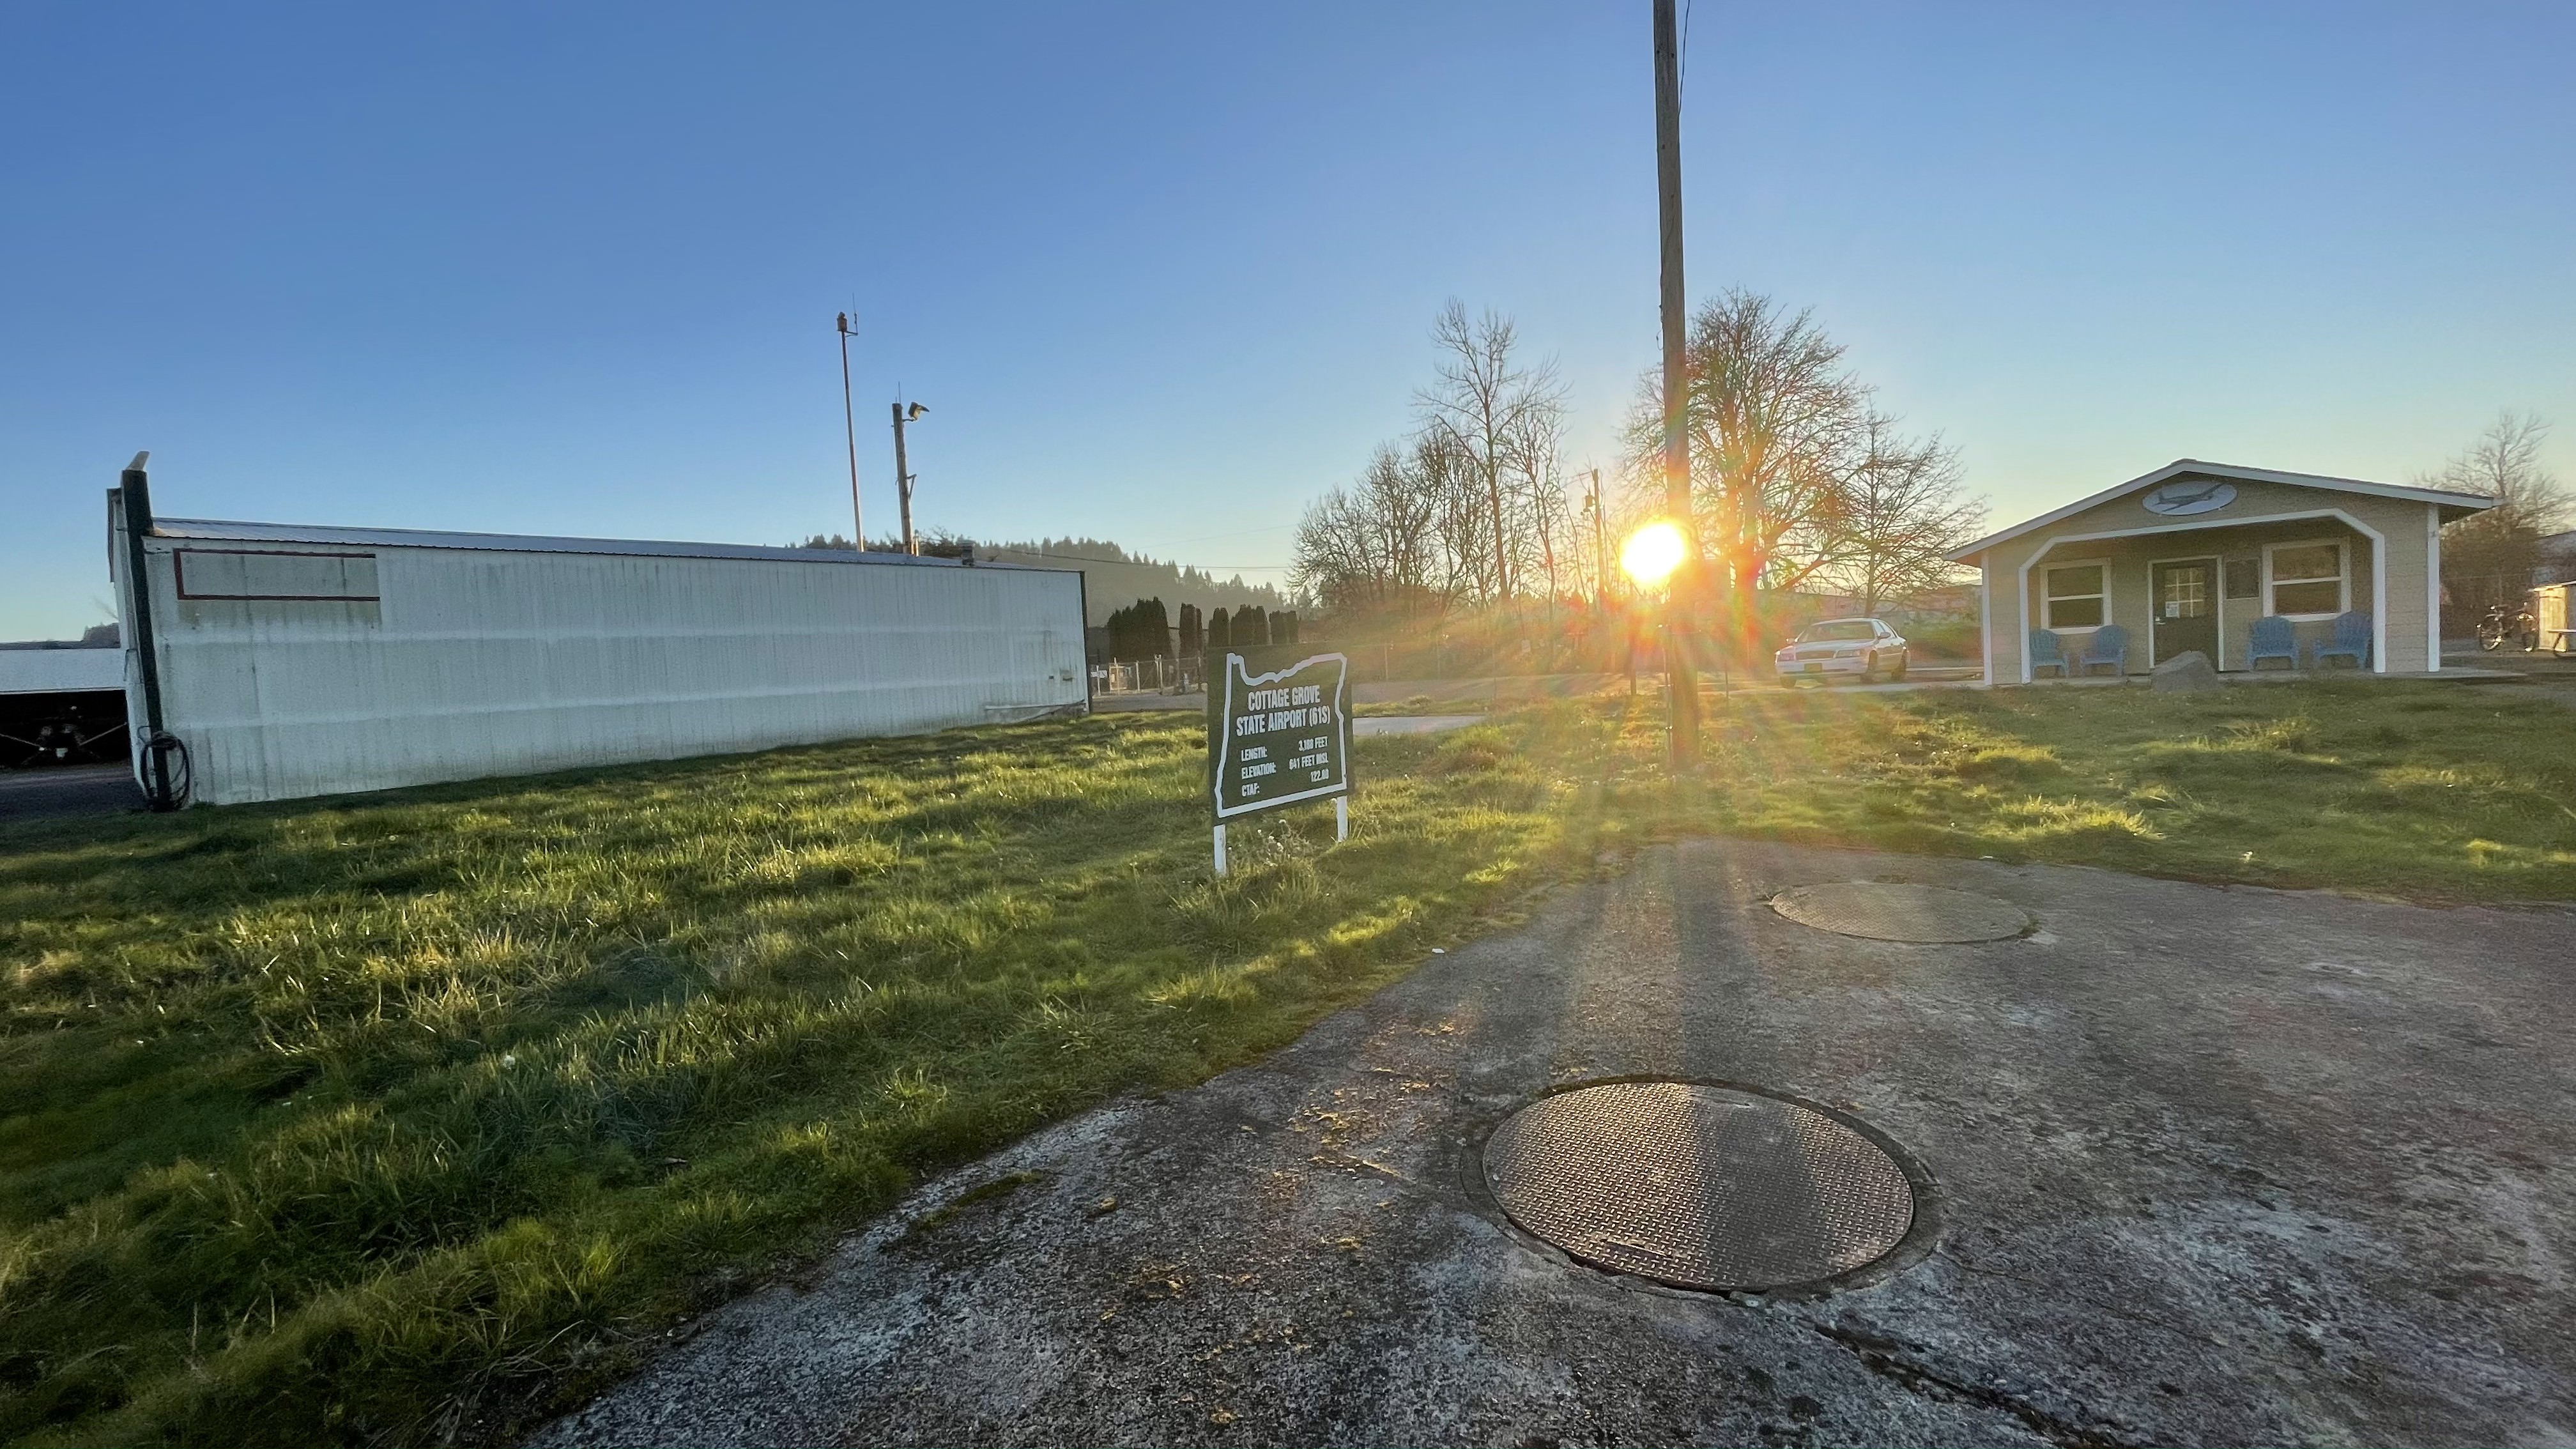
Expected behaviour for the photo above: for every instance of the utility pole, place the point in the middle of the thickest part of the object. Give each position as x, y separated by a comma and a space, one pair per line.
1680, 684
1600, 547
903, 479
850, 428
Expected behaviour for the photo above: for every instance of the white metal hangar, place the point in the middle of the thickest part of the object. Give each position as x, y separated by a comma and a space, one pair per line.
289, 661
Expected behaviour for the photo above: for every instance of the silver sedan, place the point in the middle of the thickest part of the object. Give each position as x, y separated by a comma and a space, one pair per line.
1866, 648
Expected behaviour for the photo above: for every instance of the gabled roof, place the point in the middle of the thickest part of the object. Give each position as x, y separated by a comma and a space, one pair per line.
2193, 467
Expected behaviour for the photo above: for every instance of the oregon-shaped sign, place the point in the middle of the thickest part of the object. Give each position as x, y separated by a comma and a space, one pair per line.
1279, 728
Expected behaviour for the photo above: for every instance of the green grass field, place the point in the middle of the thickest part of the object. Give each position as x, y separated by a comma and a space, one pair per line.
414, 1117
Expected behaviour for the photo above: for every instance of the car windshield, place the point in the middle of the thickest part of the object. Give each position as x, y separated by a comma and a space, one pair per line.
1835, 630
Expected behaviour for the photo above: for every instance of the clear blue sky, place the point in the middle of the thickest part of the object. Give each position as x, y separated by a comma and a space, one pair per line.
1163, 273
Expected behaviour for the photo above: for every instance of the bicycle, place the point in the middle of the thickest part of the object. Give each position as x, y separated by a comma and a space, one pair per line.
2498, 626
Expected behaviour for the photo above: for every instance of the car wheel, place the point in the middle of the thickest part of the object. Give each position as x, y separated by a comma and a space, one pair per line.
1899, 673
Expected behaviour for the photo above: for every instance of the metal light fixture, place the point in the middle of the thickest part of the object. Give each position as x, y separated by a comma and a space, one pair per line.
903, 479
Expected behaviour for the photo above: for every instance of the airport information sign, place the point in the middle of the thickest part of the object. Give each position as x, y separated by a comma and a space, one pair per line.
1279, 728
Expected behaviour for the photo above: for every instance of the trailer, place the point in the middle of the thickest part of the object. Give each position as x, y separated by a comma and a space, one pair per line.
274, 661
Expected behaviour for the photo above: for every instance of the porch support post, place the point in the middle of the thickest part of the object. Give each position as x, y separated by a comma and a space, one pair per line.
1986, 614
2432, 588
2021, 604
2378, 602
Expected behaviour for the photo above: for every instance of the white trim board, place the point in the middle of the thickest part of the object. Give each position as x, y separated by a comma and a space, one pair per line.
2439, 498
1986, 623
2432, 590
2378, 570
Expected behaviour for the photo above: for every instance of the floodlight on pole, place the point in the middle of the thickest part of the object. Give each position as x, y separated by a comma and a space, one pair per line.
903, 479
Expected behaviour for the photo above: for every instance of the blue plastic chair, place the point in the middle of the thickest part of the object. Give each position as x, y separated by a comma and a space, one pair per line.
2046, 653
2273, 639
2351, 640
2109, 645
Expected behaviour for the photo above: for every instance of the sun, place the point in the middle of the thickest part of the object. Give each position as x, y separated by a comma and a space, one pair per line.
1652, 553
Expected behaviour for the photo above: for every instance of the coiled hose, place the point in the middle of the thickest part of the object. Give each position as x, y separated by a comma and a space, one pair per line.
165, 757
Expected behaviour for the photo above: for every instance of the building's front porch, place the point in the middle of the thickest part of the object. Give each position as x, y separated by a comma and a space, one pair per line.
2253, 568
2448, 674
2251, 597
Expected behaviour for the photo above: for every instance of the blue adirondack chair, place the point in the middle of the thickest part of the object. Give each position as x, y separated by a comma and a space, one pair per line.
2273, 639
2351, 640
2046, 653
2109, 645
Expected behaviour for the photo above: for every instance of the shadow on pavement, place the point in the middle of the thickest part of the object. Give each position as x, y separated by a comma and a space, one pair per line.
2212, 1166
78, 790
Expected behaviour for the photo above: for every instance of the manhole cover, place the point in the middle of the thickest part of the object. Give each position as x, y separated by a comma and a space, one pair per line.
1699, 1186
1884, 912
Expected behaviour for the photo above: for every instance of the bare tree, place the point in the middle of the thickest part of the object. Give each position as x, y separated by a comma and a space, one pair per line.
1462, 518
1775, 421
1794, 476
1540, 522
1335, 563
2491, 556
1482, 403
1471, 508
1902, 514
1375, 547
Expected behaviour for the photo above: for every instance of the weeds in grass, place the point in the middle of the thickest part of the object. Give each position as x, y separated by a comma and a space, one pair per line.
407, 1118
2293, 734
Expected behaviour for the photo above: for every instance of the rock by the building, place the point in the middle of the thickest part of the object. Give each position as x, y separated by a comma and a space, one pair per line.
2189, 671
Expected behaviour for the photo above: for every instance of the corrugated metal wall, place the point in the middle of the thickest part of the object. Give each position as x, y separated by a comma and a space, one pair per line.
51, 671
299, 668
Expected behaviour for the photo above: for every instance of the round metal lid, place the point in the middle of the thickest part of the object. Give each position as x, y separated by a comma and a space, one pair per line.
1885, 912
1700, 1186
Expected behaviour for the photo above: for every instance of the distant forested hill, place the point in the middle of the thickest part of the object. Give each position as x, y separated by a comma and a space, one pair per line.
1112, 578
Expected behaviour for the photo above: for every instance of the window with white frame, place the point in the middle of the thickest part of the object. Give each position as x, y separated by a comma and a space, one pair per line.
2308, 580
2076, 596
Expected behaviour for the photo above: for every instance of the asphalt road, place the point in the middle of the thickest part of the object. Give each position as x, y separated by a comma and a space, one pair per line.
2214, 1166
69, 790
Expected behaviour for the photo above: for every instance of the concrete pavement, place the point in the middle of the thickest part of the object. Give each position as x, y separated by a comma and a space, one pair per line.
2214, 1166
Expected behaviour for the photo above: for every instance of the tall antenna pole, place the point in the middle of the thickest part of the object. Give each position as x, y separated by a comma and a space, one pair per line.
850, 430
1680, 684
